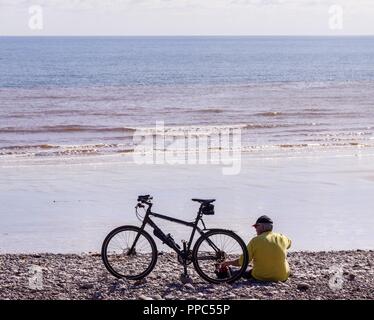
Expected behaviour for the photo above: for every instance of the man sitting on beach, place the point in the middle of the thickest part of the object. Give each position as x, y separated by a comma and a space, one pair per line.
268, 253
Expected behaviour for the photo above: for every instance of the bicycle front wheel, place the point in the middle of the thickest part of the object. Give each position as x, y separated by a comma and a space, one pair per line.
214, 247
129, 252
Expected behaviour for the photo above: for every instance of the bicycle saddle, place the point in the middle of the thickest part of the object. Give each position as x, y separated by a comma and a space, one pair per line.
204, 201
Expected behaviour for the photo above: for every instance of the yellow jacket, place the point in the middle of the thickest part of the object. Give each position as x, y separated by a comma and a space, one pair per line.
268, 252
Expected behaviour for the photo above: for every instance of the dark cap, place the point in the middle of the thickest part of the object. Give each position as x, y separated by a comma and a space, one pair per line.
263, 219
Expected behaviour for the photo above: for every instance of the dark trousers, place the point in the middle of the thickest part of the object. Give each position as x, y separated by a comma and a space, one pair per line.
247, 274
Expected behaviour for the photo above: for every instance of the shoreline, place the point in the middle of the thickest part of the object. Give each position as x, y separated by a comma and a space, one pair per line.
314, 275
248, 153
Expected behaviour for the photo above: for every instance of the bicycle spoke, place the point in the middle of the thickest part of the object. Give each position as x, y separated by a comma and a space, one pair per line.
207, 258
213, 250
124, 262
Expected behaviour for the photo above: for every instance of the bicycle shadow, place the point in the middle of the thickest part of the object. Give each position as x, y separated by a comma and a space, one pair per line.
207, 288
253, 283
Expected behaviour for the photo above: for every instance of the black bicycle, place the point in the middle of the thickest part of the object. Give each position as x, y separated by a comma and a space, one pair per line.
130, 252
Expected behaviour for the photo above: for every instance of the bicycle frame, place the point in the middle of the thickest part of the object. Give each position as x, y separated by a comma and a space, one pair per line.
193, 225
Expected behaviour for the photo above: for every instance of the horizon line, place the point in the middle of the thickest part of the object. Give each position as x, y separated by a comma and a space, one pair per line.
193, 35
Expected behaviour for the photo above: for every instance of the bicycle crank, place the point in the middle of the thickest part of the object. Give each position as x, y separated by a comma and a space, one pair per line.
182, 260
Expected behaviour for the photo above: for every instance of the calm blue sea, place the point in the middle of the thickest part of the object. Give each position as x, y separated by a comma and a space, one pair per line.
61, 95
122, 61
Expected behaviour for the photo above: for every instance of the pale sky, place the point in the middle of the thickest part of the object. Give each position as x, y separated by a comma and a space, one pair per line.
189, 17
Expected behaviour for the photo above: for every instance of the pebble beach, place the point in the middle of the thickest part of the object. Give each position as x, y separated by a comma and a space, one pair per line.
314, 276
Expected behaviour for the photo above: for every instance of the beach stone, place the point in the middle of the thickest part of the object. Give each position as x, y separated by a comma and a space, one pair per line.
210, 290
114, 287
283, 284
303, 286
123, 281
189, 286
140, 282
144, 297
86, 286
95, 254
97, 296
71, 277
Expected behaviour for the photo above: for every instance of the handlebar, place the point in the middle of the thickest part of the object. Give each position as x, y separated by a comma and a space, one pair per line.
144, 199
142, 202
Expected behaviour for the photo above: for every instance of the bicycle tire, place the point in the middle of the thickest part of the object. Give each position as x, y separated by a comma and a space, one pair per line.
109, 266
219, 232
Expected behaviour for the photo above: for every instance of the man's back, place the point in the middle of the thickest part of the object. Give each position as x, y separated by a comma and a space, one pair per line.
269, 253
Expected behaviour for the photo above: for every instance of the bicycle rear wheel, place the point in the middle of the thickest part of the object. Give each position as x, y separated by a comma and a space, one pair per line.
118, 258
213, 248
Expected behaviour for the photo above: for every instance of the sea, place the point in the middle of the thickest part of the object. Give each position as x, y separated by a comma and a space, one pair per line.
73, 96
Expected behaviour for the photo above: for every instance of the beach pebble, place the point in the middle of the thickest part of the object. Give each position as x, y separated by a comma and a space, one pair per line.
97, 296
86, 286
189, 286
210, 290
144, 297
140, 282
113, 287
74, 277
303, 286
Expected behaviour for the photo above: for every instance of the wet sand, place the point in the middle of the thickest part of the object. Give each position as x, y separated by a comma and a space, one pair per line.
320, 201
